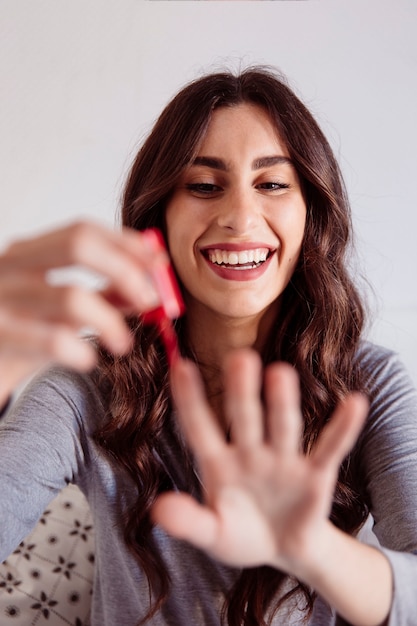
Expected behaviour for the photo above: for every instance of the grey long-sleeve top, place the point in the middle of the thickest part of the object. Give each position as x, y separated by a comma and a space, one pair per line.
47, 441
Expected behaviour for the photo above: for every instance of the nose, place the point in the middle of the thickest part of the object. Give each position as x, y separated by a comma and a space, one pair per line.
238, 212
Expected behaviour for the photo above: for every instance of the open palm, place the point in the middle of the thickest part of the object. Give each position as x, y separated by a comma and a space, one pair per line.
266, 502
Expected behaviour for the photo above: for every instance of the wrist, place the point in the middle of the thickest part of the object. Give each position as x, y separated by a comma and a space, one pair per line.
354, 578
303, 556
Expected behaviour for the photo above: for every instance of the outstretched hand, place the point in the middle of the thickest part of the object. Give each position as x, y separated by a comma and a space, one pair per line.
266, 502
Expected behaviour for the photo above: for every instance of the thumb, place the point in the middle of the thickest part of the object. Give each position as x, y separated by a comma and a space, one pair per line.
183, 517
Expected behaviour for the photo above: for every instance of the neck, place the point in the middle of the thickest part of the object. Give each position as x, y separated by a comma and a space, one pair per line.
212, 336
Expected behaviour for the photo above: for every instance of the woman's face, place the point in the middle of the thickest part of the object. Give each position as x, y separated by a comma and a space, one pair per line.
236, 220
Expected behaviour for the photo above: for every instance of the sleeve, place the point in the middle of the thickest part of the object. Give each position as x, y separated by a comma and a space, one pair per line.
389, 454
43, 447
4, 407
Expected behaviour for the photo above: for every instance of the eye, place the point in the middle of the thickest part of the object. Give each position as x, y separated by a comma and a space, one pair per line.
272, 186
203, 189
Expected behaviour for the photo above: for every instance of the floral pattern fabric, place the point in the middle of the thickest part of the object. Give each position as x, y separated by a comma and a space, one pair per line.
47, 581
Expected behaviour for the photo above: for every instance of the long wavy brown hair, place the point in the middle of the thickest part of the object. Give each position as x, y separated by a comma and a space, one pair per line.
317, 329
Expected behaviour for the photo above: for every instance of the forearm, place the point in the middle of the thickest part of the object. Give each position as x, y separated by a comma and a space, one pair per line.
354, 578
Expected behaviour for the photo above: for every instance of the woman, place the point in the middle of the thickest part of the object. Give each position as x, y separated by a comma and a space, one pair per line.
241, 180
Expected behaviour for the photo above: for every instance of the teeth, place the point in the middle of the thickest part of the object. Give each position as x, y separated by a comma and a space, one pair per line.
241, 257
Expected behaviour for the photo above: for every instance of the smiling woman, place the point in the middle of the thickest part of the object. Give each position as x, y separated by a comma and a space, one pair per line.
240, 196
259, 492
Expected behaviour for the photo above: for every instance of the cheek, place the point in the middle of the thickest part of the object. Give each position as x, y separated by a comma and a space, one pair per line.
184, 226
179, 241
291, 230
169, 217
173, 223
292, 237
177, 216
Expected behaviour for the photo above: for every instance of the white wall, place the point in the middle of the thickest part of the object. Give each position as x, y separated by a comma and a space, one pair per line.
83, 80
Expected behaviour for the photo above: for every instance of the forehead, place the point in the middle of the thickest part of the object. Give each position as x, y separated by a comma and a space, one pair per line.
245, 126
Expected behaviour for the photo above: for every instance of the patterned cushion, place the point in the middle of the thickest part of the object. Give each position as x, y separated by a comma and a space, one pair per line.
48, 578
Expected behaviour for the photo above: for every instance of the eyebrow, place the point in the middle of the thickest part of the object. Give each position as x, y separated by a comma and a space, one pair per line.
268, 161
218, 164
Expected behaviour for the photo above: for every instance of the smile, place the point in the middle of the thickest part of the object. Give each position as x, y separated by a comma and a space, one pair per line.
238, 259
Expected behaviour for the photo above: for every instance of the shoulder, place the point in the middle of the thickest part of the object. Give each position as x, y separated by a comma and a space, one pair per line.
382, 368
391, 392
62, 394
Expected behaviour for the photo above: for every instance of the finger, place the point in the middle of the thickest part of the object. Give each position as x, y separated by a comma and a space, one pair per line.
282, 395
182, 517
29, 343
71, 306
81, 309
201, 429
123, 258
342, 431
243, 408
